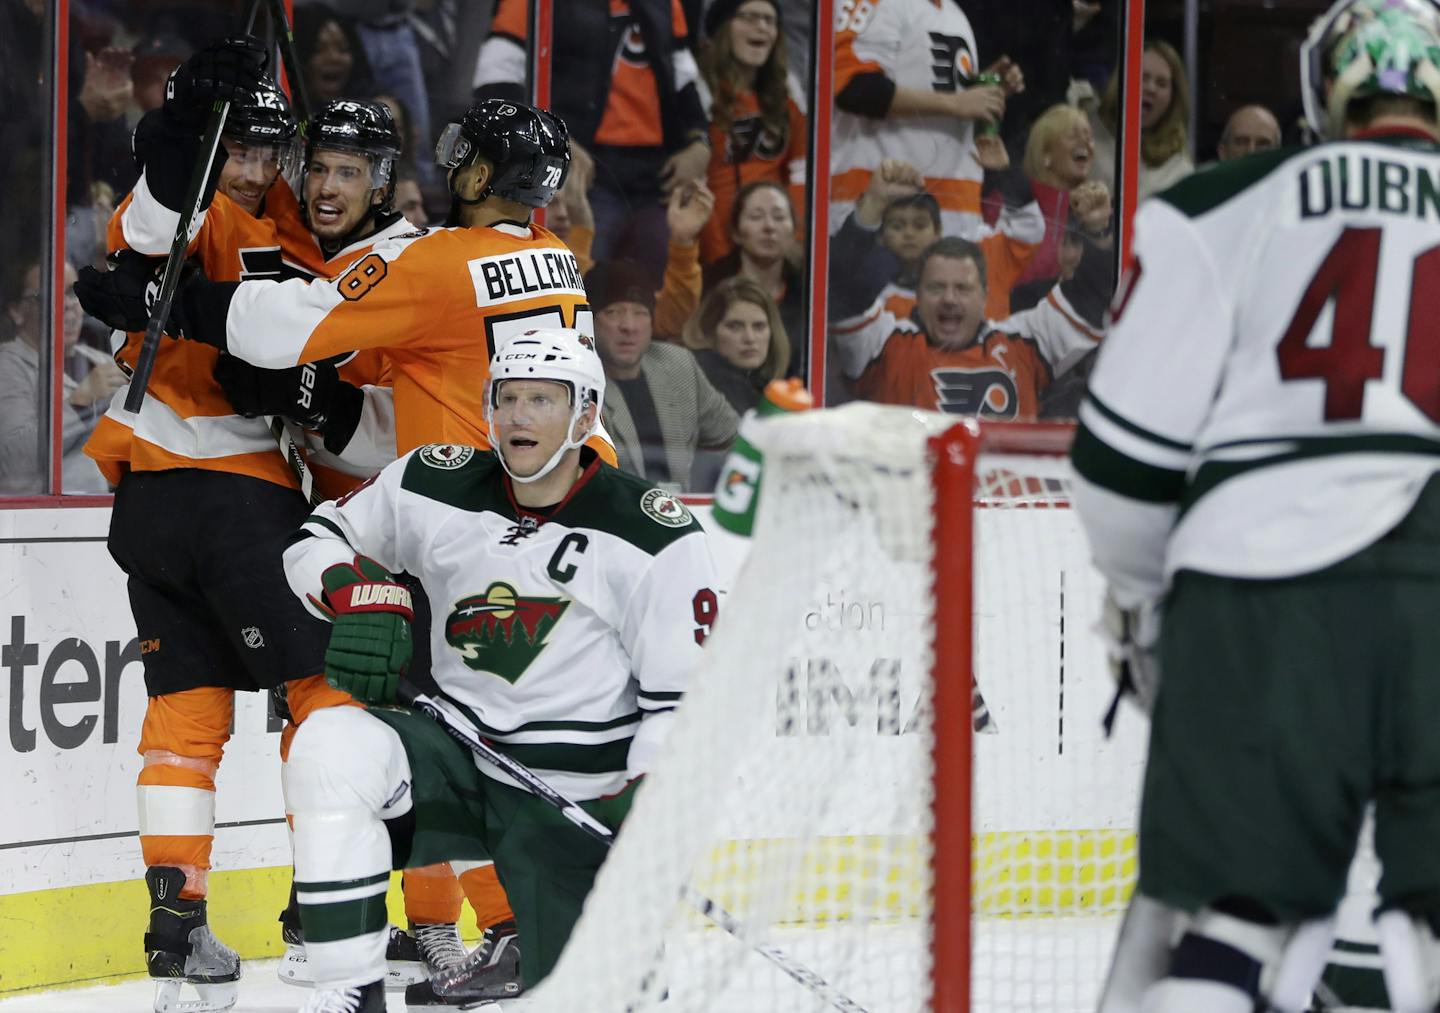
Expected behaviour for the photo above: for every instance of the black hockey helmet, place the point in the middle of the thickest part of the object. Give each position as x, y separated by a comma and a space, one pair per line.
529, 148
264, 119
363, 128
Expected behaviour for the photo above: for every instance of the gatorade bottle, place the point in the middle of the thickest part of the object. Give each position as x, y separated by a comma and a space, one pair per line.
738, 491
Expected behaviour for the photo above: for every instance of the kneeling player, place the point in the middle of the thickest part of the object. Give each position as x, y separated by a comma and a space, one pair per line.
571, 601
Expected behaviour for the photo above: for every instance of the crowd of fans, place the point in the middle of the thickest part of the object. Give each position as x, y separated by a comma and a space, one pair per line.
971, 221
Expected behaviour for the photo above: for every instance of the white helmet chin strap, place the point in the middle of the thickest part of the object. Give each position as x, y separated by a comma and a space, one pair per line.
568, 445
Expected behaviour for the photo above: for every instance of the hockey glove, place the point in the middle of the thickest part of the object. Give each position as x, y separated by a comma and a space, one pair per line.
1130, 637
370, 638
311, 394
227, 71
122, 296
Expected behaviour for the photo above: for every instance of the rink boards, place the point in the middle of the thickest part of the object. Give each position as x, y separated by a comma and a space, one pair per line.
1055, 803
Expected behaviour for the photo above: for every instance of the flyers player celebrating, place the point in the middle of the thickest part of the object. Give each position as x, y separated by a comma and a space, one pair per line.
198, 486
613, 585
438, 303
348, 183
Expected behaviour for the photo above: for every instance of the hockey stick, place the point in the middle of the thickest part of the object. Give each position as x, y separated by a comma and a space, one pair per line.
190, 210
572, 811
287, 433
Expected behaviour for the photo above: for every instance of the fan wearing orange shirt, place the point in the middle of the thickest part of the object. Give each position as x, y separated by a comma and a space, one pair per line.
947, 356
625, 83
757, 131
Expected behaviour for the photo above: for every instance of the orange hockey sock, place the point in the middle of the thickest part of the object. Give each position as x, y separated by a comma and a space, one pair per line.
432, 895
486, 895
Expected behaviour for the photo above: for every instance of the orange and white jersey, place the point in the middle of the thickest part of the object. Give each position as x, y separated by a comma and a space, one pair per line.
186, 421
998, 376
437, 302
748, 152
925, 45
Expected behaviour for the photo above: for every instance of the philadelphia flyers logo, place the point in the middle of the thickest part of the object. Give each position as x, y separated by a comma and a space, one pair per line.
952, 64
749, 139
632, 47
984, 391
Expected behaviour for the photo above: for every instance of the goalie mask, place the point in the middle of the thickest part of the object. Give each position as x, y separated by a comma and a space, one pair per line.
1361, 49
559, 355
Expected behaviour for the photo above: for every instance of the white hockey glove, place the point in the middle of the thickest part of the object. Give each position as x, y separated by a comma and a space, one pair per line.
1131, 636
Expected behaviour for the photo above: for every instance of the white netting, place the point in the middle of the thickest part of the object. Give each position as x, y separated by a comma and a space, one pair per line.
795, 790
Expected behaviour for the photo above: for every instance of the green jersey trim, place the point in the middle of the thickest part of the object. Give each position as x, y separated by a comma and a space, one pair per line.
1207, 189
1212, 473
1102, 464
490, 731
325, 523
614, 502
1130, 427
473, 485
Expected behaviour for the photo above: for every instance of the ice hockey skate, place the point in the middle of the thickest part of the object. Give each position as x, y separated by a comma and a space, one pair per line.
363, 999
181, 950
491, 972
439, 944
404, 963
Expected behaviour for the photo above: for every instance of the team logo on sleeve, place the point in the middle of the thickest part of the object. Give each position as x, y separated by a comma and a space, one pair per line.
500, 631
984, 391
446, 456
664, 509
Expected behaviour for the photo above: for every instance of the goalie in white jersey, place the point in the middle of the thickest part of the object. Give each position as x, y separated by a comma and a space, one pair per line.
571, 601
1260, 447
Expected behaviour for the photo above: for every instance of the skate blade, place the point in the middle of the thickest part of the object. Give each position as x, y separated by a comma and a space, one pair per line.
208, 998
294, 969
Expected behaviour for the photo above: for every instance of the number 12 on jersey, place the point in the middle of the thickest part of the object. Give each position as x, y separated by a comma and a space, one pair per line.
1347, 276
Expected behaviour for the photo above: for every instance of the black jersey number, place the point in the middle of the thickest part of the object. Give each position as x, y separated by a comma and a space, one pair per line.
501, 327
1347, 278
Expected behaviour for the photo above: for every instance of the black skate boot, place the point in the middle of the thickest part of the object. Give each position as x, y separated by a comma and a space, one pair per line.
491, 972
404, 964
362, 999
181, 949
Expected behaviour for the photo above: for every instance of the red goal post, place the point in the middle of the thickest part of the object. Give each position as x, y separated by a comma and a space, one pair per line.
956, 455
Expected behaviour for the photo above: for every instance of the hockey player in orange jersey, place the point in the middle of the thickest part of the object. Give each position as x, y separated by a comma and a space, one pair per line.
198, 486
419, 291
437, 302
347, 189
212, 635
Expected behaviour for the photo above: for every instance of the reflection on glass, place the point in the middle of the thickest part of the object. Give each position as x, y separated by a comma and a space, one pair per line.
971, 228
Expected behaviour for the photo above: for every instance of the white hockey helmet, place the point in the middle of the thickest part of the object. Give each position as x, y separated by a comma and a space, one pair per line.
558, 354
1362, 48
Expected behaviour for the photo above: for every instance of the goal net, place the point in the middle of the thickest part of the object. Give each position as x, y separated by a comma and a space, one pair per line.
911, 578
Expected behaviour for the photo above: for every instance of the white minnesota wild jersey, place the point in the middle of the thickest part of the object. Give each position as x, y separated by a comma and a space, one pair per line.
567, 640
1272, 372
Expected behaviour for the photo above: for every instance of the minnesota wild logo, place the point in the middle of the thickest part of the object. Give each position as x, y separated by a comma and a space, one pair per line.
500, 631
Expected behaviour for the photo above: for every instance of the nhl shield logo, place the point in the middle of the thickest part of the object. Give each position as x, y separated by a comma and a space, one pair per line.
502, 631
664, 508
254, 639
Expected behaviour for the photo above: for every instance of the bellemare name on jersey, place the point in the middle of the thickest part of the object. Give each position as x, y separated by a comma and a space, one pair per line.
509, 276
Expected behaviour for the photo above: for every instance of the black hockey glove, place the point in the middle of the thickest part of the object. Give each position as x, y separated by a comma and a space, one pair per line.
311, 394
226, 71
122, 296
166, 152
